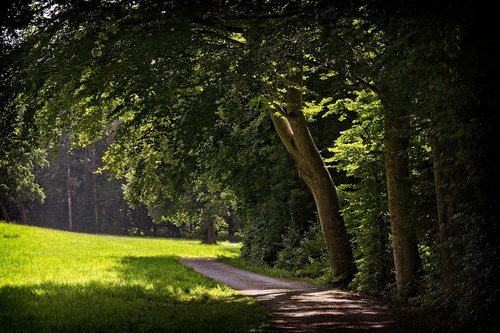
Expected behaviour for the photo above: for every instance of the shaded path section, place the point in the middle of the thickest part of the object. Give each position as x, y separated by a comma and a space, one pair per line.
302, 307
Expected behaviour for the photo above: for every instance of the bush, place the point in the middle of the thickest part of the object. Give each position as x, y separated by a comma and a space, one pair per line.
304, 254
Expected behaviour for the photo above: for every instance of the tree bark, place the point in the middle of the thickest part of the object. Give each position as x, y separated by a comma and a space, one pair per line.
452, 190
209, 229
294, 133
68, 190
404, 241
5, 213
23, 211
94, 187
446, 204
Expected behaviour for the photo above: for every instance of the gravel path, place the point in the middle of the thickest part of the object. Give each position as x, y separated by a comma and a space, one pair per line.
302, 307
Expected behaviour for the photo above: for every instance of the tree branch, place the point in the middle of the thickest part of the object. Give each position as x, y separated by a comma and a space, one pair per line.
218, 25
285, 132
222, 36
363, 81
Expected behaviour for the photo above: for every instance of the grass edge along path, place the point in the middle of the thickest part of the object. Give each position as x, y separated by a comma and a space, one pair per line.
67, 282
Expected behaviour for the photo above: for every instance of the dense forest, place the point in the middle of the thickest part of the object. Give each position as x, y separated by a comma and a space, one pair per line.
353, 141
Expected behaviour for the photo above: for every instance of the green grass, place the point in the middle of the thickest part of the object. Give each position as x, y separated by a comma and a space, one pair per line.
56, 281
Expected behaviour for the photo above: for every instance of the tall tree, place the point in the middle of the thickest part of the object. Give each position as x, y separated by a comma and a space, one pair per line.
292, 128
70, 182
399, 197
19, 152
95, 199
359, 151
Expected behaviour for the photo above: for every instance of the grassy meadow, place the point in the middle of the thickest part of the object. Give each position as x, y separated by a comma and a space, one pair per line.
56, 281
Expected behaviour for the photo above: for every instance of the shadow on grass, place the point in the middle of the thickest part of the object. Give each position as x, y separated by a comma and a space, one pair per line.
152, 294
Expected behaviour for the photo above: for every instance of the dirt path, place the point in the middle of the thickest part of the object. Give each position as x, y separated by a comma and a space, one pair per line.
302, 307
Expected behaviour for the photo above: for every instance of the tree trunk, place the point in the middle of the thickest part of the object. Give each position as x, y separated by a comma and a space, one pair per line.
22, 210
5, 213
68, 190
452, 190
404, 242
209, 229
294, 133
446, 204
93, 177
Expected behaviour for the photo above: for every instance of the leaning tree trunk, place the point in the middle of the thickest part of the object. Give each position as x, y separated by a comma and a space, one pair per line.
404, 242
293, 130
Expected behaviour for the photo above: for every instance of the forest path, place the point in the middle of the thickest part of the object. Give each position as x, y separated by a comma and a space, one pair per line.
302, 307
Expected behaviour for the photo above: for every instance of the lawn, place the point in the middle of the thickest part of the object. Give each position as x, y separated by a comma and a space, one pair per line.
68, 282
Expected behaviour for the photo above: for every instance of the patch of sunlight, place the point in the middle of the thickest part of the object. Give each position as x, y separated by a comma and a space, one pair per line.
218, 292
39, 291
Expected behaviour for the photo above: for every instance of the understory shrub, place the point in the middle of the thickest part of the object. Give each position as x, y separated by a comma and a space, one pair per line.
304, 254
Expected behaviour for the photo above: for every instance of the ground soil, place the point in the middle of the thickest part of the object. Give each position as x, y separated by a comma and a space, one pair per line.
303, 307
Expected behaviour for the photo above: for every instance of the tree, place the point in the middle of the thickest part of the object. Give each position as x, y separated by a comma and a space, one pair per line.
18, 149
210, 42
292, 128
368, 54
19, 156
404, 242
359, 151
436, 67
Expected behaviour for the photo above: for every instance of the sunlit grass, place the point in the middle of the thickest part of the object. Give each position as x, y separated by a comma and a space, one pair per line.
59, 281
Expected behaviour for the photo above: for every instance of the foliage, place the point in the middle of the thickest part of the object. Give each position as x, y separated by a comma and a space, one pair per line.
189, 211
359, 152
305, 255
19, 157
435, 64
